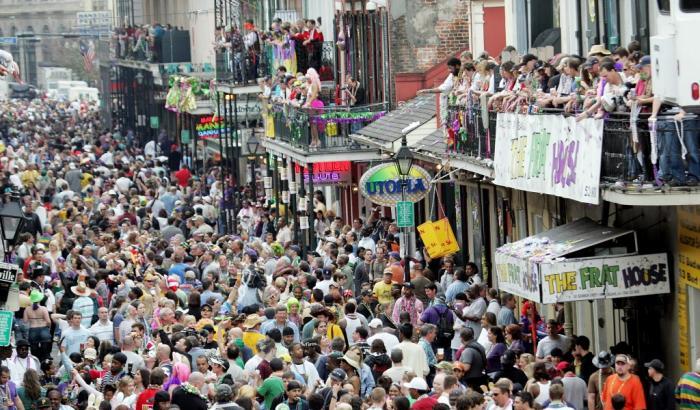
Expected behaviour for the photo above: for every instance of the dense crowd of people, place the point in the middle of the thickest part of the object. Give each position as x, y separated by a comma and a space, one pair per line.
132, 295
610, 85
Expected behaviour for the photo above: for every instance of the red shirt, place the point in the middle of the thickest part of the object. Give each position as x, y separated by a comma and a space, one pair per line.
145, 399
183, 177
425, 403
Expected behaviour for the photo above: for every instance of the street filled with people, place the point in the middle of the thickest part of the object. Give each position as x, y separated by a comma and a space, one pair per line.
134, 293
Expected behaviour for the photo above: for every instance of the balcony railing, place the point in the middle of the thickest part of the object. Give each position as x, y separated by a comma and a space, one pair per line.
471, 131
624, 163
173, 46
226, 71
325, 129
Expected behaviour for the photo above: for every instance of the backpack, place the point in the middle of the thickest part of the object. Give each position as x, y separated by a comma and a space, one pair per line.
445, 326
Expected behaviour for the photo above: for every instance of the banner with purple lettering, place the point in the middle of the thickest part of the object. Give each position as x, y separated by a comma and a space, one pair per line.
610, 277
549, 154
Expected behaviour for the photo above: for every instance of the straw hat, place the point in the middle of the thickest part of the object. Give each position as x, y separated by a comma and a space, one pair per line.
80, 290
251, 321
599, 49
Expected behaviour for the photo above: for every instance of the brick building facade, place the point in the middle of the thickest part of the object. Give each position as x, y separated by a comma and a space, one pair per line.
425, 33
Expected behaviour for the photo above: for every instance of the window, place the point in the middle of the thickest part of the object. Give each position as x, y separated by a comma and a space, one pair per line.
588, 26
46, 29
612, 24
690, 6
664, 6
640, 24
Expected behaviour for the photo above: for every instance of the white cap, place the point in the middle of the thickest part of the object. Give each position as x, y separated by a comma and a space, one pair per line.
376, 322
417, 383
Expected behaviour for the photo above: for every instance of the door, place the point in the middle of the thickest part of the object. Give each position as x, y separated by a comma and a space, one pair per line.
640, 23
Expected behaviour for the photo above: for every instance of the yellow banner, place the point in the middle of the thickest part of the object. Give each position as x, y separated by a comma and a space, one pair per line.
688, 272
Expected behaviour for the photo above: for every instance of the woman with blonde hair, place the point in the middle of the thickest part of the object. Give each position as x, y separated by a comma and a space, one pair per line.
314, 102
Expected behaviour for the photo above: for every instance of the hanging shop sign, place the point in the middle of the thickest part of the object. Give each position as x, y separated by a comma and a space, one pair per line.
382, 184
598, 278
549, 154
327, 173
211, 127
438, 237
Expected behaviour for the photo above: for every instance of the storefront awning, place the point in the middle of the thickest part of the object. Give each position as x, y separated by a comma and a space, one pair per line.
581, 260
385, 133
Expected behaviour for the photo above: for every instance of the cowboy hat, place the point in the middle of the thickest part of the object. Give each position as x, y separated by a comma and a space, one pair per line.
352, 358
80, 289
599, 49
251, 321
36, 296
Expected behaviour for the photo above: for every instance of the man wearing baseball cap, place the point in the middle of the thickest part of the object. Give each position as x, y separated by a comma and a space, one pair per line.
625, 383
661, 389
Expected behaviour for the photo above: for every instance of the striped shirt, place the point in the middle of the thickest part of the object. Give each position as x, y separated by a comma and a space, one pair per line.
688, 391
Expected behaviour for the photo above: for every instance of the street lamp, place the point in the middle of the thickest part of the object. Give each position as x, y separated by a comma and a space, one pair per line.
253, 144
11, 223
404, 163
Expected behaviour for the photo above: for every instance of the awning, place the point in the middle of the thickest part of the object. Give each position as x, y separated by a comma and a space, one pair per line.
386, 131
581, 260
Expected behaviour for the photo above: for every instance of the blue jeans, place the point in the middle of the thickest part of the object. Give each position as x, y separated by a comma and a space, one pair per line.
671, 165
238, 67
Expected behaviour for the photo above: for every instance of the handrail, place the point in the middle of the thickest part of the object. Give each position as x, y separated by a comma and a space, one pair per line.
326, 129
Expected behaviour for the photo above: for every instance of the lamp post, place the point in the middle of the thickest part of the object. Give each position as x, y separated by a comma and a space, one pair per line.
11, 223
253, 144
404, 163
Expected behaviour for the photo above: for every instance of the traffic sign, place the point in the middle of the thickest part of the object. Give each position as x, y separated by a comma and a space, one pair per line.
155, 122
5, 327
404, 214
8, 40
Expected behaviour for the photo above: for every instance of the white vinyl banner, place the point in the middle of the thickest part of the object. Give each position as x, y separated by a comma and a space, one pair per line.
516, 277
549, 154
609, 278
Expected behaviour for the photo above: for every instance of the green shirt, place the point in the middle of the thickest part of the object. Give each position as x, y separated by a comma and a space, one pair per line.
272, 387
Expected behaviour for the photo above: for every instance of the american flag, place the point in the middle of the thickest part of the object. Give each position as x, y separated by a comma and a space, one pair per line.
87, 50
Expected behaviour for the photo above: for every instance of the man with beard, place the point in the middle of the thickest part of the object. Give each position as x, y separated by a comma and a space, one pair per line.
453, 66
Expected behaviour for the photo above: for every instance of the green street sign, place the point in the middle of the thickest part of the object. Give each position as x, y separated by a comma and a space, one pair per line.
5, 327
185, 136
404, 214
155, 122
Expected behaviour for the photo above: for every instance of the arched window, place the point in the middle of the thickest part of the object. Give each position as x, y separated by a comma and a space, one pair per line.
46, 29
13, 30
30, 29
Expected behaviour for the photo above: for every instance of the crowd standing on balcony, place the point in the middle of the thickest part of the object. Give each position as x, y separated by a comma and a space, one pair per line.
296, 46
603, 85
141, 43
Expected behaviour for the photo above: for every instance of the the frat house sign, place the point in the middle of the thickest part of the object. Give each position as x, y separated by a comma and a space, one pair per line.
382, 184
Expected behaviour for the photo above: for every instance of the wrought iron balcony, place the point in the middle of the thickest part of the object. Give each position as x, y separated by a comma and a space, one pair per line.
628, 148
229, 70
319, 130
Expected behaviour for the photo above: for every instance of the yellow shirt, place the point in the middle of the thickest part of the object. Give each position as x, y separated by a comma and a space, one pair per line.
383, 292
251, 339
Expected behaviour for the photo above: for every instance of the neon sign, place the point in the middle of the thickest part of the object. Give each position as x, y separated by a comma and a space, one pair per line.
211, 126
332, 172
